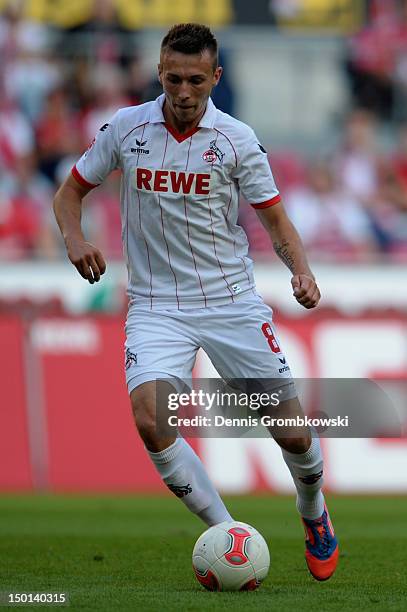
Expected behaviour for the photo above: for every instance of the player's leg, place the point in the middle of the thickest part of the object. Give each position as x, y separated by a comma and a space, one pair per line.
163, 347
303, 457
242, 344
302, 454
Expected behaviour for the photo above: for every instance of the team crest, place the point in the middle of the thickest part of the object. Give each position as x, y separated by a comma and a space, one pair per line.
213, 154
209, 156
131, 359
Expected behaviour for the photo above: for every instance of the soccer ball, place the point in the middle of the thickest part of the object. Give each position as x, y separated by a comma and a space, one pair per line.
231, 556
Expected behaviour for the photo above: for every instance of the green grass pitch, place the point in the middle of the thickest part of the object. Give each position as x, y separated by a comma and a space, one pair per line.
127, 553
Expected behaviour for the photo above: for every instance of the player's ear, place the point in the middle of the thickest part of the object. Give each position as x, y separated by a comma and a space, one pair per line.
217, 74
160, 69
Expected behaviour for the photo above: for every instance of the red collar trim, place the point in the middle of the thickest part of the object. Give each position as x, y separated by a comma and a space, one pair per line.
181, 137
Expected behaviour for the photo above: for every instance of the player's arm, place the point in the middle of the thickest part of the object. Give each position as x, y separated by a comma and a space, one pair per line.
288, 246
86, 258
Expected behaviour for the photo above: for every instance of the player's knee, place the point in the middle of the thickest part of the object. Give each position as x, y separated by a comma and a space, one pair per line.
298, 445
143, 407
153, 430
146, 426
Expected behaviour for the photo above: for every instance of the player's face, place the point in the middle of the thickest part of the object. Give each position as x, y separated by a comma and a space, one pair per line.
187, 81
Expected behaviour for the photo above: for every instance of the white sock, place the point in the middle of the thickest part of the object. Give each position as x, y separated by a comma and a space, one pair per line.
183, 473
306, 470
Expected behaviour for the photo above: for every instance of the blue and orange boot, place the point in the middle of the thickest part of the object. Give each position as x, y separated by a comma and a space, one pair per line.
321, 546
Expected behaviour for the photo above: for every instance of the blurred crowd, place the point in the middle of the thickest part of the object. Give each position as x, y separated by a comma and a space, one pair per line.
350, 204
59, 86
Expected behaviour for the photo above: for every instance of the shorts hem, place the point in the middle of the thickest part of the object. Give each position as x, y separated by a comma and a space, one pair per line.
139, 379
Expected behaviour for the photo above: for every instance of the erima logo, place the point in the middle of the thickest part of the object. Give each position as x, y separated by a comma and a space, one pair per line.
104, 127
170, 181
140, 150
262, 149
285, 368
89, 147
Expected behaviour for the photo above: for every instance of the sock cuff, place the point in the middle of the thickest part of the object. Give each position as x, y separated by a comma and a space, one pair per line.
168, 454
314, 449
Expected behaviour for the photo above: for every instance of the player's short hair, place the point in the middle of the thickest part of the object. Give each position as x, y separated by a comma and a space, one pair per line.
191, 38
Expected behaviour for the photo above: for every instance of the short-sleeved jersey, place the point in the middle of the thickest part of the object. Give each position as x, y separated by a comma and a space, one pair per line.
179, 202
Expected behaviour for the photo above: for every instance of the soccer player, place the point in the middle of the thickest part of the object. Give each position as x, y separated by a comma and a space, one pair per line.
184, 165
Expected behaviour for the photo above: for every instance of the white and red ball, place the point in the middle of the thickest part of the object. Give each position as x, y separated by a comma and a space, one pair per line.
231, 556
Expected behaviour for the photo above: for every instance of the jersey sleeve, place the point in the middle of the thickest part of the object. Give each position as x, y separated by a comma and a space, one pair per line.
253, 173
101, 157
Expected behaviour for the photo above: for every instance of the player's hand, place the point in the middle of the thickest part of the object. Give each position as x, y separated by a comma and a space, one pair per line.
305, 290
87, 259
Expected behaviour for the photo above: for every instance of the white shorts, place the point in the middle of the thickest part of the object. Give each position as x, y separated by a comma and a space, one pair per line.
239, 339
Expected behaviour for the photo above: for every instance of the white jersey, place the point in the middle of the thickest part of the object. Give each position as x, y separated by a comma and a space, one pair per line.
179, 202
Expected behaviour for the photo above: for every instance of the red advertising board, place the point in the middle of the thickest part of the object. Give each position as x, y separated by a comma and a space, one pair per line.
15, 468
92, 441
